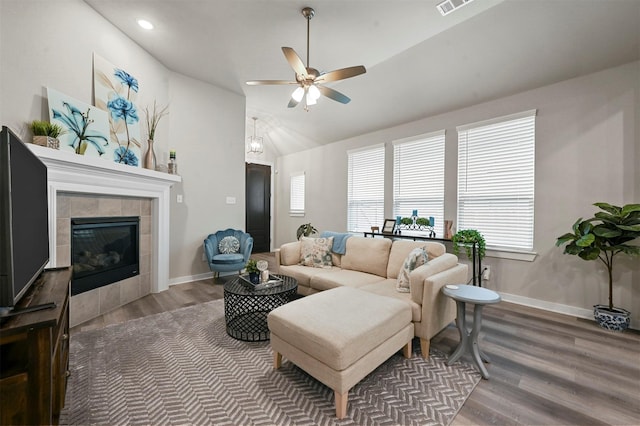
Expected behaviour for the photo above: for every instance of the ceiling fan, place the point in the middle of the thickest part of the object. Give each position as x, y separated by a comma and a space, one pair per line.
309, 79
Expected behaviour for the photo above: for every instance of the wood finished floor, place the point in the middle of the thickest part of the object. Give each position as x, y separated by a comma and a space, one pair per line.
546, 369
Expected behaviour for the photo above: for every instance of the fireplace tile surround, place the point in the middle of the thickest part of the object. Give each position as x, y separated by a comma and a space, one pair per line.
88, 305
88, 186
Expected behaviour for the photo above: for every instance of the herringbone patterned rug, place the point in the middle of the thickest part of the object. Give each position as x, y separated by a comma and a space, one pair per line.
181, 367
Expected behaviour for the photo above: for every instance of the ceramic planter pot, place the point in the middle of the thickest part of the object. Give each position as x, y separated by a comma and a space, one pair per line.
47, 141
617, 319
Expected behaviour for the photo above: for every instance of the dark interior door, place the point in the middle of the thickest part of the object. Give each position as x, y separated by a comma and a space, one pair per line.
258, 205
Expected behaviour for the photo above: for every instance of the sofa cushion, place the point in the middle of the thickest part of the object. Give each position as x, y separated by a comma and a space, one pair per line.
417, 257
303, 274
369, 255
401, 249
342, 278
388, 288
227, 258
316, 252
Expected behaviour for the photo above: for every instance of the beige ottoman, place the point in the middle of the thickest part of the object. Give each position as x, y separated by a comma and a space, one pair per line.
339, 336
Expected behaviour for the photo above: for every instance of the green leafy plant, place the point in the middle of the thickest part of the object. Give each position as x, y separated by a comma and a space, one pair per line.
604, 236
44, 128
406, 221
305, 229
466, 238
423, 221
252, 266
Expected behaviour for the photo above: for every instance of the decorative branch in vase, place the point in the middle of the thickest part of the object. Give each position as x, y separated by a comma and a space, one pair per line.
153, 118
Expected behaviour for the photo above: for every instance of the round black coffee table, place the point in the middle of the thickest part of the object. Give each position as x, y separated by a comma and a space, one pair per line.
246, 309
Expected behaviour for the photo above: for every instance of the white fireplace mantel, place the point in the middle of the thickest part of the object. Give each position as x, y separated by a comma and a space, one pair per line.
69, 172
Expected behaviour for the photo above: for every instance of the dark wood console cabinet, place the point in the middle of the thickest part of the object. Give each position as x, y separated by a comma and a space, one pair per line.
34, 354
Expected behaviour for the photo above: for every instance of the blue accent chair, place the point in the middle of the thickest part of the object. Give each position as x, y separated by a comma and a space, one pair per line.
221, 262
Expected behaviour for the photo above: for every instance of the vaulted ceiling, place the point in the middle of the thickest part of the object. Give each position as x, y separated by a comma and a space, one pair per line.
418, 62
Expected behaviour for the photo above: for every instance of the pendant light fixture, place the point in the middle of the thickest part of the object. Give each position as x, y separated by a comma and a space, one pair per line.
255, 143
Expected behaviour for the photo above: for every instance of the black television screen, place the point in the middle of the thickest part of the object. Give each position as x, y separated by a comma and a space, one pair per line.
24, 222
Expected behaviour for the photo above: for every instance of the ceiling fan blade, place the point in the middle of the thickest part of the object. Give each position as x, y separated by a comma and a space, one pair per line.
265, 82
295, 61
292, 103
341, 74
334, 94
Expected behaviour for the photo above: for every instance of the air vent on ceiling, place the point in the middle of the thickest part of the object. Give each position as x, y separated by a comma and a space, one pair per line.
449, 6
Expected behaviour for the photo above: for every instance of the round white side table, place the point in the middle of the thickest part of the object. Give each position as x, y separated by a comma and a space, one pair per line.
480, 297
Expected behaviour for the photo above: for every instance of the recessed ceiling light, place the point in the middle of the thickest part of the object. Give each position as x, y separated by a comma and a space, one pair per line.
145, 24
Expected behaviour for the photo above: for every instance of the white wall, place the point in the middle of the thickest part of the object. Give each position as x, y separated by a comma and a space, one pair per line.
207, 133
50, 43
587, 150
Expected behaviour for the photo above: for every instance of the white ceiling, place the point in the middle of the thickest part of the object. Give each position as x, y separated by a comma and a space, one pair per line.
418, 62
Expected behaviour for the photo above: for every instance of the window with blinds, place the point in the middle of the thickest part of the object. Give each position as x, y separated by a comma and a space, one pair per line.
418, 178
496, 171
296, 200
365, 192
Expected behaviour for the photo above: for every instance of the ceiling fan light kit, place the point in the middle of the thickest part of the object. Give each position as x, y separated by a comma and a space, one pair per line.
308, 79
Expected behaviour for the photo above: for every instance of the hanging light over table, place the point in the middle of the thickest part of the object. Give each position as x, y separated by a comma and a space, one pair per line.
255, 144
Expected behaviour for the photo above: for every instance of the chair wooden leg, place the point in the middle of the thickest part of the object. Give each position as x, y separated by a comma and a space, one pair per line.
424, 347
277, 360
406, 350
341, 403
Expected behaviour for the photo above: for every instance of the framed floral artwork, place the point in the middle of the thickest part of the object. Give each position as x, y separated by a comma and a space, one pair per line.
115, 91
86, 128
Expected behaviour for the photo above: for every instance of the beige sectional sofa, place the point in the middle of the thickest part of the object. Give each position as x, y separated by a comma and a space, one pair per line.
373, 264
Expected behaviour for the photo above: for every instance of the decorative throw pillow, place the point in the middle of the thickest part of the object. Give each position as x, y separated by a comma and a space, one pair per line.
417, 257
316, 252
229, 245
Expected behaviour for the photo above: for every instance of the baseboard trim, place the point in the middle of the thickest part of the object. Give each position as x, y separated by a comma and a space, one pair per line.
191, 278
557, 308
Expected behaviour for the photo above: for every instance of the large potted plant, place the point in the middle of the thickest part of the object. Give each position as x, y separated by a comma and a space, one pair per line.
603, 237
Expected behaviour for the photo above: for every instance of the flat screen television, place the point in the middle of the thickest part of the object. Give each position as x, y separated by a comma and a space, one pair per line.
24, 222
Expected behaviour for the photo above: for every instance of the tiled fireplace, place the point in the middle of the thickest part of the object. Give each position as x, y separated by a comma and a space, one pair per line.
93, 187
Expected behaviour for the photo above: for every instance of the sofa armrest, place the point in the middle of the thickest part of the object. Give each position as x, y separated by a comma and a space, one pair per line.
288, 254
434, 266
437, 310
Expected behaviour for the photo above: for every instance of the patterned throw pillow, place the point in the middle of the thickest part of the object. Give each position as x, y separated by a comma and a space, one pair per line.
417, 257
229, 245
316, 252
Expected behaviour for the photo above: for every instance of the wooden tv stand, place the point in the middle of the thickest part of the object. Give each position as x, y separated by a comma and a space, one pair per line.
34, 354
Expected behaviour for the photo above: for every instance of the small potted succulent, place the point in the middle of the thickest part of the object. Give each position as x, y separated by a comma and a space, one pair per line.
45, 133
602, 237
253, 271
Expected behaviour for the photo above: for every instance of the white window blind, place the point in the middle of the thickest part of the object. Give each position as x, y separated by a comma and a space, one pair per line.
418, 178
296, 201
496, 171
365, 193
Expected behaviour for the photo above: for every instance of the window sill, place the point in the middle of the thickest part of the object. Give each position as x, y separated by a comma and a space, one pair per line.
296, 214
526, 256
